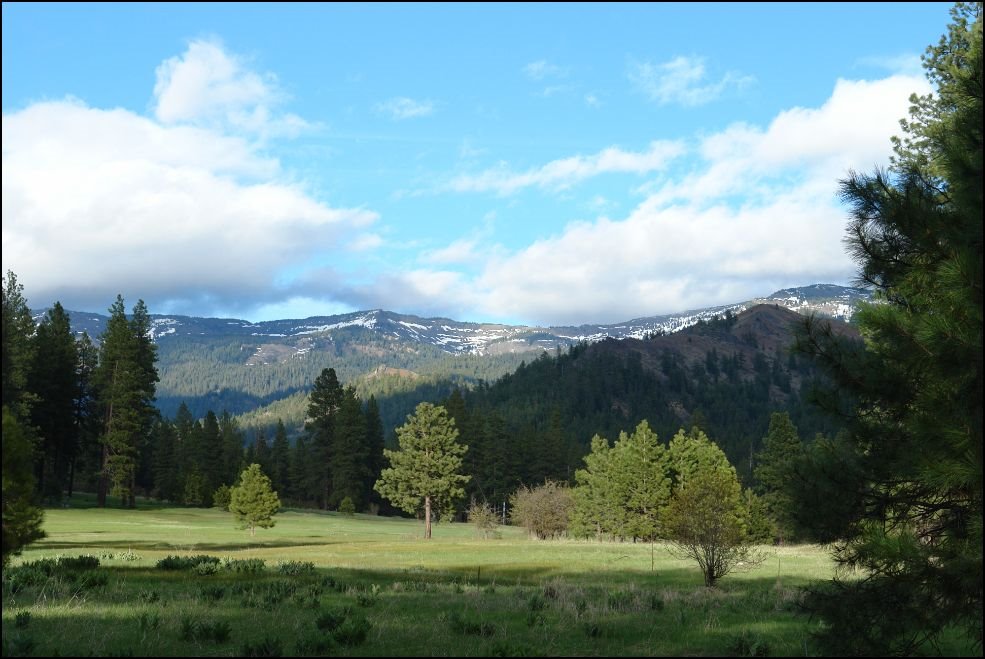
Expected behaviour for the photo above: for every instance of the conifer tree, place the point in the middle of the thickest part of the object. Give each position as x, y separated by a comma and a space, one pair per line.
903, 488
53, 381
781, 447
253, 501
424, 471
280, 459
21, 518
323, 407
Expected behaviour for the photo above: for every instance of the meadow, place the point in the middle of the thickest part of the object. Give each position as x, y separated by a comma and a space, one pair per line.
328, 584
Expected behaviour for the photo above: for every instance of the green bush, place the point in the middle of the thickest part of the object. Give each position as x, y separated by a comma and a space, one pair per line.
296, 568
347, 507
186, 562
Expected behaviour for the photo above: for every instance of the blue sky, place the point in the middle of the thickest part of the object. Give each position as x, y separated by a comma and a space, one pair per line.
537, 164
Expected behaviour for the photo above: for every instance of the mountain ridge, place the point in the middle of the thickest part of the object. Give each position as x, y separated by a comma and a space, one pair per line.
467, 337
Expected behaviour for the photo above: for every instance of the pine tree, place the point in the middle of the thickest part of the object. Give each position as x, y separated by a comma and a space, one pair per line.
374, 446
596, 508
323, 407
87, 422
21, 518
253, 501
280, 459
425, 468
53, 381
18, 349
166, 480
781, 447
349, 469
903, 488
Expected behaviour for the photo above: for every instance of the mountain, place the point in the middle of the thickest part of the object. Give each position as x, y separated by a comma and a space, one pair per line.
243, 367
727, 376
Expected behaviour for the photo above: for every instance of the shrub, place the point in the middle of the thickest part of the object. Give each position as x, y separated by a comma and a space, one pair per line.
544, 510
246, 565
221, 497
347, 507
296, 568
268, 647
185, 562
79, 563
483, 518
747, 644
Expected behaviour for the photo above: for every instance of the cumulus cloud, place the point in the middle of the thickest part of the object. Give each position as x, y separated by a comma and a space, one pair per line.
757, 212
207, 85
401, 107
184, 206
563, 173
682, 80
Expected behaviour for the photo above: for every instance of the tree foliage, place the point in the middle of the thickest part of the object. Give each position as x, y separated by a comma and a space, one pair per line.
21, 518
545, 510
704, 521
253, 501
425, 469
622, 489
901, 491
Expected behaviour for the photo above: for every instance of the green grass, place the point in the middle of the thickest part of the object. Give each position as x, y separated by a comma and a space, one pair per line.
380, 589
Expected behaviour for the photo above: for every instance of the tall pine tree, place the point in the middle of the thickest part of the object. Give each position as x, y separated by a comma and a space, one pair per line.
904, 486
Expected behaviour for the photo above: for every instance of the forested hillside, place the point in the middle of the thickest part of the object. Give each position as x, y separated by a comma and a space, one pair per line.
726, 376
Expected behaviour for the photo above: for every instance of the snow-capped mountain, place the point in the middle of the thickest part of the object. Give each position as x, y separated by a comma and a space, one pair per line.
455, 337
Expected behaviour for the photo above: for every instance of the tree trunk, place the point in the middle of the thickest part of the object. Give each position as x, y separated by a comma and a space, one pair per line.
427, 517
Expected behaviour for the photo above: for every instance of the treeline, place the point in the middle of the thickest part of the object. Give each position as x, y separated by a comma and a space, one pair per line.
241, 375
338, 457
86, 411
536, 424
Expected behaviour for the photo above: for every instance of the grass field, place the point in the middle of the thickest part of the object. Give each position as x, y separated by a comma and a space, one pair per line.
377, 588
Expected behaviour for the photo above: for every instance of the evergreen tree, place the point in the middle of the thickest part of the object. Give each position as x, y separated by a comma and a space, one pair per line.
253, 501
596, 505
231, 439
640, 480
18, 327
781, 446
323, 407
349, 470
167, 484
53, 381
21, 518
374, 445
424, 470
904, 486
118, 384
280, 459
87, 422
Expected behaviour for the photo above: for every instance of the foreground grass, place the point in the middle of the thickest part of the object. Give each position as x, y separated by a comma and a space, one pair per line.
375, 587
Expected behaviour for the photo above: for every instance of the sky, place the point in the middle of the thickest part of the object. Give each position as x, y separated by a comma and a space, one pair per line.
540, 164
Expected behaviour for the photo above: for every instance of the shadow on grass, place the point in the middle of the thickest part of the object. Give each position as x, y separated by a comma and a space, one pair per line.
197, 547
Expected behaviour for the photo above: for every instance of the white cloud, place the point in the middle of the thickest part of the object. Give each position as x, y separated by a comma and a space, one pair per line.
461, 251
543, 69
366, 242
405, 108
759, 211
208, 86
178, 208
905, 64
682, 80
565, 172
